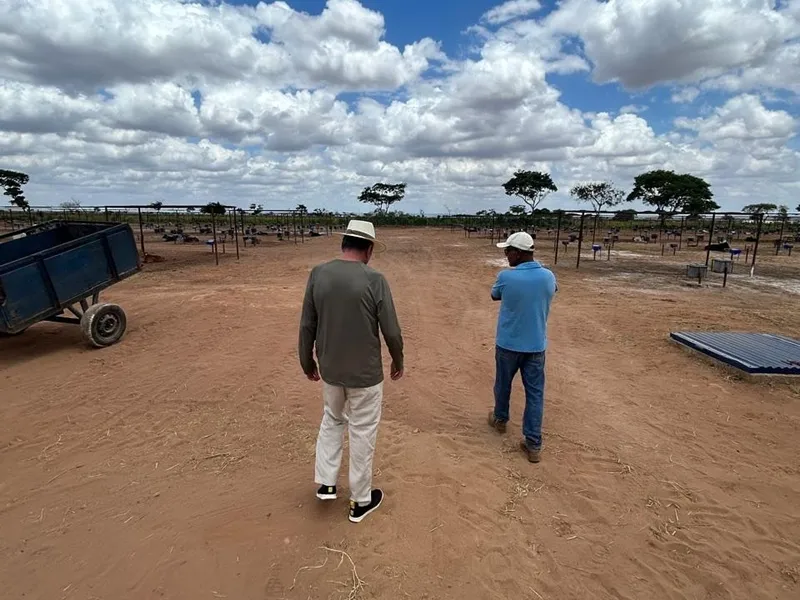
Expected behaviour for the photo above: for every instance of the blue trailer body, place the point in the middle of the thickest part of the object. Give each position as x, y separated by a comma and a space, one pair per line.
49, 268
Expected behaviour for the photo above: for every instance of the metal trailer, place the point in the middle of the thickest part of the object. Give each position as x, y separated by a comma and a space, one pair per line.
55, 271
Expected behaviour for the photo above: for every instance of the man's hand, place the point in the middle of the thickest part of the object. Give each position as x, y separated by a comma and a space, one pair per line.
314, 374
395, 372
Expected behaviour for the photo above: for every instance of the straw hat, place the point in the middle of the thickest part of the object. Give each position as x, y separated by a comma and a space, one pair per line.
364, 230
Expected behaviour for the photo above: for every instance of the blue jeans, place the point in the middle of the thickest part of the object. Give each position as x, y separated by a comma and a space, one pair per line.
531, 365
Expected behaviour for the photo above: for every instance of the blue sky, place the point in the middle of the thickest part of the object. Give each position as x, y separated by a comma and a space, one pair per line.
180, 99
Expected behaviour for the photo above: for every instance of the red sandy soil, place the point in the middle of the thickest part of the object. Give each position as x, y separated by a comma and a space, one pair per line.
179, 463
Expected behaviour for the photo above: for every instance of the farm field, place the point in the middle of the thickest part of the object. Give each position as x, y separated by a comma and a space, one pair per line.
179, 463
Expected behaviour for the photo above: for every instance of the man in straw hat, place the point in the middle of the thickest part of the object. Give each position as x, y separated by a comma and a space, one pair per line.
345, 304
525, 292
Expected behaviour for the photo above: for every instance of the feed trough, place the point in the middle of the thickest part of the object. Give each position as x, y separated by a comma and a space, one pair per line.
735, 252
753, 353
696, 271
721, 265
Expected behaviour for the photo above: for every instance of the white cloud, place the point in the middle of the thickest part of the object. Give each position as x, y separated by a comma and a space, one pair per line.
632, 109
105, 100
685, 95
512, 9
741, 119
90, 44
643, 43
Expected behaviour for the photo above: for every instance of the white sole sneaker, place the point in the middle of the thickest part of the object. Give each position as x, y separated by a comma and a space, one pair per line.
323, 493
357, 518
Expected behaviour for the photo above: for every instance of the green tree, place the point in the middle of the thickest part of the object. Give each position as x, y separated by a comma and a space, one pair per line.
71, 205
759, 209
383, 195
670, 193
157, 206
600, 195
213, 208
12, 182
517, 210
257, 209
530, 186
625, 215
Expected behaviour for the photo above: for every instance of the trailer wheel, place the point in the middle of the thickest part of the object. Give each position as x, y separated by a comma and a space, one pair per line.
104, 324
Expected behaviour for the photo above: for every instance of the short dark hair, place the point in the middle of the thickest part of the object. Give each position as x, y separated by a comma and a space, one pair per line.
350, 242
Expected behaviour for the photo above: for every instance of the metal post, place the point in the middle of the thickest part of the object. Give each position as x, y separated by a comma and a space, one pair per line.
294, 226
302, 228
780, 237
106, 208
558, 235
141, 231
492, 238
594, 231
710, 237
680, 239
758, 239
236, 232
725, 276
580, 240
214, 231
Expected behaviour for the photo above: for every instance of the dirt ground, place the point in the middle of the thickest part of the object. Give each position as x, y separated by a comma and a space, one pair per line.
179, 463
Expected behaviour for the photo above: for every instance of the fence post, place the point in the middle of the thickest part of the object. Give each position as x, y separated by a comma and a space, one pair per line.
710, 237
780, 237
758, 239
141, 232
580, 240
558, 235
214, 231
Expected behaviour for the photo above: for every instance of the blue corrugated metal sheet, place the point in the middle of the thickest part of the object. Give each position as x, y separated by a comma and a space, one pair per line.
756, 353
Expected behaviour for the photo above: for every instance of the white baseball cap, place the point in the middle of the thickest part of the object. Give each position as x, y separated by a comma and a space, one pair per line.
519, 240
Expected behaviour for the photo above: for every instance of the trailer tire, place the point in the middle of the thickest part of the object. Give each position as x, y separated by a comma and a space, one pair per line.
104, 324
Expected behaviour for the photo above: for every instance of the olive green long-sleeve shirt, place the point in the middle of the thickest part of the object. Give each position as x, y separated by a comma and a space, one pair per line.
345, 305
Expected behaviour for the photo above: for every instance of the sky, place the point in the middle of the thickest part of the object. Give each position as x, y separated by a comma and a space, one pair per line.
309, 101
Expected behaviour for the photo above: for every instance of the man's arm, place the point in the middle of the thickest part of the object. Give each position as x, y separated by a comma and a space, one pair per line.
308, 331
497, 288
390, 327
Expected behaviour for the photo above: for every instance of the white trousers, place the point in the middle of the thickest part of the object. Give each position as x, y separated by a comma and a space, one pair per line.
362, 417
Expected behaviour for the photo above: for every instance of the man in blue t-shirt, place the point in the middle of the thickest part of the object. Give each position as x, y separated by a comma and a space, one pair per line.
524, 292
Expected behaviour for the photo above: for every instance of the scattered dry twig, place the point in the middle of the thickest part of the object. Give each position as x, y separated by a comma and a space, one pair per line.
356, 584
307, 568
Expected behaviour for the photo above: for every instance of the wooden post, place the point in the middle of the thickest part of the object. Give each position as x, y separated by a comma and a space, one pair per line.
580, 240
780, 237
558, 235
710, 237
758, 239
236, 233
141, 232
214, 231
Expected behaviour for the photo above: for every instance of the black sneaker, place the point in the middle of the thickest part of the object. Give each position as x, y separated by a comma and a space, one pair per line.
359, 511
327, 492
